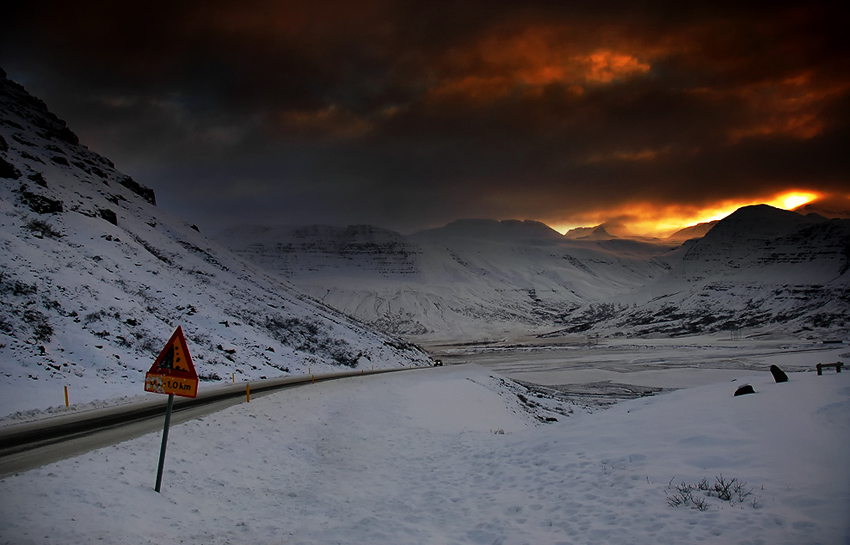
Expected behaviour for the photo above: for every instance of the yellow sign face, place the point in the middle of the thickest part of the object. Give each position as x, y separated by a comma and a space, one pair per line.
173, 371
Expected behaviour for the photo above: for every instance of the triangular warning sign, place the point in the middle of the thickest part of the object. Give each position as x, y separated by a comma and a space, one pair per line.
173, 371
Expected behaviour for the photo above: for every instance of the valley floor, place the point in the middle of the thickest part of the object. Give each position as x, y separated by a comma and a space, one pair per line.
679, 362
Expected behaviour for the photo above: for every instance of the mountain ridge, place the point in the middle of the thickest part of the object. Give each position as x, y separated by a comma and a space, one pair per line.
95, 278
489, 278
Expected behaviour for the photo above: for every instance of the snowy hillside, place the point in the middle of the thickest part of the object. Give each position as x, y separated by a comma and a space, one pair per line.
95, 278
467, 280
760, 268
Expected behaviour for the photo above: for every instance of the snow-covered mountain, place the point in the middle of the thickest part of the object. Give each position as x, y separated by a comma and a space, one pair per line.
94, 279
469, 280
694, 231
761, 267
604, 231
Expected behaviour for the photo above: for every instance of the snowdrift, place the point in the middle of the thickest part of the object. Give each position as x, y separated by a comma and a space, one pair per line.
451, 455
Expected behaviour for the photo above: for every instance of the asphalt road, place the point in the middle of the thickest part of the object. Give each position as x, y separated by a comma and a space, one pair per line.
34, 444
671, 363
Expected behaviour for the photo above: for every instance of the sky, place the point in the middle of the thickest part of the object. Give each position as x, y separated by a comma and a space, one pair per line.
409, 115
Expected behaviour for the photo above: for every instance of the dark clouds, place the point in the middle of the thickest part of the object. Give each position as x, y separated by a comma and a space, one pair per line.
409, 115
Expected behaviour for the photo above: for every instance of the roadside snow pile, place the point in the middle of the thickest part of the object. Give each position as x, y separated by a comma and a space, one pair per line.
446, 456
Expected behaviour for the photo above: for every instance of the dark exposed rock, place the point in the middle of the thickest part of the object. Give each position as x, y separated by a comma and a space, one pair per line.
108, 215
8, 170
142, 191
38, 179
39, 203
744, 390
778, 374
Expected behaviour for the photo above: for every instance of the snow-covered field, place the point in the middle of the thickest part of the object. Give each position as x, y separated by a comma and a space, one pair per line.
449, 455
696, 360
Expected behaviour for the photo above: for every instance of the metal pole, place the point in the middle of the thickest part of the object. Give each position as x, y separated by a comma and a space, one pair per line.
164, 442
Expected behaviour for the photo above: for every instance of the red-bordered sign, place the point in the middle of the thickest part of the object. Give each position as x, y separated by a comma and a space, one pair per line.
173, 371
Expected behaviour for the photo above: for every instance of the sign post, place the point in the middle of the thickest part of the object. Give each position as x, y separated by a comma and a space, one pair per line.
164, 443
172, 373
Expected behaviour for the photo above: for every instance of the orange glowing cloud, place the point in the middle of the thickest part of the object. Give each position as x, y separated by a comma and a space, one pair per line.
606, 66
642, 218
531, 59
793, 107
786, 200
795, 199
654, 220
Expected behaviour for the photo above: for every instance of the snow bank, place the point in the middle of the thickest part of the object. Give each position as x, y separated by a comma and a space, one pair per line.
446, 456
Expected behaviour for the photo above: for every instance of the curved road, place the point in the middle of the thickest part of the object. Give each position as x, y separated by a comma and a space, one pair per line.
33, 444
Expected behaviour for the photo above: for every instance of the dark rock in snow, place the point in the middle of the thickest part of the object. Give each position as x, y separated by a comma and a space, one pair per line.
142, 191
39, 203
778, 374
8, 170
743, 390
108, 215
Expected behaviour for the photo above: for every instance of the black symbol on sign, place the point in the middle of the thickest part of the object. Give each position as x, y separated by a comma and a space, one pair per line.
170, 360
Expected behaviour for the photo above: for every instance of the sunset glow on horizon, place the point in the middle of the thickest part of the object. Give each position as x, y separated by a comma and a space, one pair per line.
646, 219
646, 116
